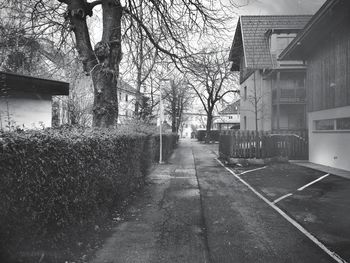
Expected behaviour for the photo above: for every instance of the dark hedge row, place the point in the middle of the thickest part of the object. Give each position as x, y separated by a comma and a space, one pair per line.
214, 135
54, 181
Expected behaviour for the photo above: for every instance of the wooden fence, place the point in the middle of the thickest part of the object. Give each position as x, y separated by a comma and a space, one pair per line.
263, 144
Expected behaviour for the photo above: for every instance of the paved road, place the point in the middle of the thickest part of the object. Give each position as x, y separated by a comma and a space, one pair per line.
194, 210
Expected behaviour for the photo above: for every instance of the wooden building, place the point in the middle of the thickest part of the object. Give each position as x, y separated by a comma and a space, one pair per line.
273, 95
324, 44
25, 102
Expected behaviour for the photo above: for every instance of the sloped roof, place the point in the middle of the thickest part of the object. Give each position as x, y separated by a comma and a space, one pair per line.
126, 87
12, 82
231, 108
251, 38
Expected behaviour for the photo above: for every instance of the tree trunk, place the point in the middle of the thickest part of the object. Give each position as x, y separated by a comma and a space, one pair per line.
105, 110
256, 108
209, 122
173, 123
103, 62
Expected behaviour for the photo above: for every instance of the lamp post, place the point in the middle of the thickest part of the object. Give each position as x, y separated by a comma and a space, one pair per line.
160, 125
161, 115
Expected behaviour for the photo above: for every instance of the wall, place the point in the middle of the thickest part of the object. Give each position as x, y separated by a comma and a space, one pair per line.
291, 117
328, 71
227, 118
126, 102
329, 148
247, 108
28, 110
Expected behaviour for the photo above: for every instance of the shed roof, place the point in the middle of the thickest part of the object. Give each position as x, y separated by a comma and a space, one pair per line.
251, 38
10, 82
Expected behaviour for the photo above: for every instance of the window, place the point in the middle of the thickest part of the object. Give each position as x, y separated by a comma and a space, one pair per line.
324, 125
340, 124
126, 97
245, 93
245, 122
230, 117
280, 41
343, 124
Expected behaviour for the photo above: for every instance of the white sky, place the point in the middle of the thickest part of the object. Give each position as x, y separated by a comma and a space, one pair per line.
279, 7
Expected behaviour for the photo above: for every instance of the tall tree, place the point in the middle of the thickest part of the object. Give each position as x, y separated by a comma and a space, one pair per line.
141, 57
171, 20
177, 100
210, 77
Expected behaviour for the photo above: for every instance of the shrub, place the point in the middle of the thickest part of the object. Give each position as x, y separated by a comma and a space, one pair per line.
214, 135
54, 181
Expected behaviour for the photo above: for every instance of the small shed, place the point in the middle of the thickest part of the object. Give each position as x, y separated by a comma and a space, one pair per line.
25, 102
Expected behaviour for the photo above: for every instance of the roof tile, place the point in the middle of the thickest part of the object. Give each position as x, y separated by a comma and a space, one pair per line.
256, 44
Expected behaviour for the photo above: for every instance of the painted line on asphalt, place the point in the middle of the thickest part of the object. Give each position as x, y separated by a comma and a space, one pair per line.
315, 181
332, 254
249, 171
281, 198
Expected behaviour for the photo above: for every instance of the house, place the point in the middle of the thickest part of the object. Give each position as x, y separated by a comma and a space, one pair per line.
191, 123
229, 117
82, 98
273, 95
324, 44
127, 96
25, 102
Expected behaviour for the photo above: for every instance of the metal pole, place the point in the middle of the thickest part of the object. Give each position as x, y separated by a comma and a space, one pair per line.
160, 125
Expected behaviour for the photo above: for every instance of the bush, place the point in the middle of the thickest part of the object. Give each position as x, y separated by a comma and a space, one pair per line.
54, 181
214, 135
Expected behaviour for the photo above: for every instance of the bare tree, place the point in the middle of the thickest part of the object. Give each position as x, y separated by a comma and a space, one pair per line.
177, 100
142, 55
172, 21
210, 77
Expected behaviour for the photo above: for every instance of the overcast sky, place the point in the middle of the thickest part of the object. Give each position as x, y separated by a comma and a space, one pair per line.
279, 7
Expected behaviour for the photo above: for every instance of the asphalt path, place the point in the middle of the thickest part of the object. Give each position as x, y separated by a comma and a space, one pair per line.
318, 201
241, 227
196, 210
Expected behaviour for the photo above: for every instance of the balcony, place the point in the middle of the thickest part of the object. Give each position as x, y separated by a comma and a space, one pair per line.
290, 96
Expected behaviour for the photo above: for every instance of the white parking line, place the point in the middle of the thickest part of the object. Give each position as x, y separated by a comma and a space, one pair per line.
281, 198
332, 254
307, 185
249, 171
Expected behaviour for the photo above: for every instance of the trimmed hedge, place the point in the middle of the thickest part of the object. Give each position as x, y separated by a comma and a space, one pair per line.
214, 135
56, 180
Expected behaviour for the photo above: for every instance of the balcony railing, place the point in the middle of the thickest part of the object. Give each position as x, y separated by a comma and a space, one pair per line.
290, 95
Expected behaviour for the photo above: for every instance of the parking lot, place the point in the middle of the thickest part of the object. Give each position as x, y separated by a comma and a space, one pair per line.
318, 201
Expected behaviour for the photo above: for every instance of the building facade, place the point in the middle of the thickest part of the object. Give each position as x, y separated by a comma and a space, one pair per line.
229, 117
324, 44
273, 95
26, 102
127, 98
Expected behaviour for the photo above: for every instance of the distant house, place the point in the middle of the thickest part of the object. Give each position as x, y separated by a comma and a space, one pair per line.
325, 44
82, 95
25, 102
191, 123
229, 117
272, 92
127, 98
